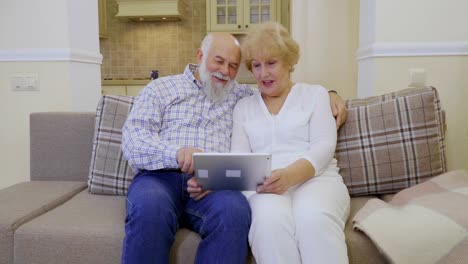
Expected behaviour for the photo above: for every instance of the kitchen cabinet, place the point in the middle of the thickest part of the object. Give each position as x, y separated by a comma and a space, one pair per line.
238, 16
133, 90
115, 90
123, 87
102, 10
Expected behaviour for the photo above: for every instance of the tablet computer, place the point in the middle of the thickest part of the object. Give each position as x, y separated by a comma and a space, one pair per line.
231, 171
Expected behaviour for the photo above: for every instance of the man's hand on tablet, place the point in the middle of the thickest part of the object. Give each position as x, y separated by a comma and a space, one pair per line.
195, 190
185, 160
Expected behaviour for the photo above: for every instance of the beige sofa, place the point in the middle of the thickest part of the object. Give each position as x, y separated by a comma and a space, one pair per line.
54, 219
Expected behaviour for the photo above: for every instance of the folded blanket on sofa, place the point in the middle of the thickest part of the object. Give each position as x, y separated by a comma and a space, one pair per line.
427, 223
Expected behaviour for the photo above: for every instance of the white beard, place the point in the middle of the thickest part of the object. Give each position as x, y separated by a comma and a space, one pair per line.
215, 91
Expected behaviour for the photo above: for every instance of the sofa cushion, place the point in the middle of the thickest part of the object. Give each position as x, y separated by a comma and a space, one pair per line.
87, 229
109, 172
90, 229
429, 221
391, 142
56, 139
27, 200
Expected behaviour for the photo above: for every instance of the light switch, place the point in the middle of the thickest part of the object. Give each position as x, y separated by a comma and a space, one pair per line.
16, 83
30, 83
24, 82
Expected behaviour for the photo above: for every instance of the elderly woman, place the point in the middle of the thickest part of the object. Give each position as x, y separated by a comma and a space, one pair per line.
299, 213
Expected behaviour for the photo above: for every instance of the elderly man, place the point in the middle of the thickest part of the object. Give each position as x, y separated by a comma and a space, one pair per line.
172, 118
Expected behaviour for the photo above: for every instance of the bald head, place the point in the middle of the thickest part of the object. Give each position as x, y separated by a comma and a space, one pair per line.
219, 38
222, 43
219, 59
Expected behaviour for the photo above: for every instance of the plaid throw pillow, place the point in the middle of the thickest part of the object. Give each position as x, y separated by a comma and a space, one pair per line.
109, 171
391, 142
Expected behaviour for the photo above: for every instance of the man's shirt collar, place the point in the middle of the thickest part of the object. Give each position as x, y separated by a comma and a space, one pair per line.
190, 71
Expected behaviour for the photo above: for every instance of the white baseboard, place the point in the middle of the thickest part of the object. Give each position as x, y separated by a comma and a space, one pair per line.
409, 49
72, 55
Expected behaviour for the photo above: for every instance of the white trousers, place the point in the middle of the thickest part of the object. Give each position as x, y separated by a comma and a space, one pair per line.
304, 225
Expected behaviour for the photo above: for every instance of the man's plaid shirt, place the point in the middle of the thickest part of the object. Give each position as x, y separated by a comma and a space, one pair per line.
173, 112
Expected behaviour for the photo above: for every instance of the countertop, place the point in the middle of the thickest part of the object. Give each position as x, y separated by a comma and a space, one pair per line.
125, 82
146, 81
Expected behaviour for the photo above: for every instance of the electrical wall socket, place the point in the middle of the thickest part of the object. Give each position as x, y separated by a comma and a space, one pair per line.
24, 82
417, 77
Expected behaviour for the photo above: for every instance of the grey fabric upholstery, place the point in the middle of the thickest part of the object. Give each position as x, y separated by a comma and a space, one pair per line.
24, 201
61, 145
87, 229
90, 228
185, 246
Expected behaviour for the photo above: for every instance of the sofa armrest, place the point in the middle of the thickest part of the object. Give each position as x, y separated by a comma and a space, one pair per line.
61, 145
25, 201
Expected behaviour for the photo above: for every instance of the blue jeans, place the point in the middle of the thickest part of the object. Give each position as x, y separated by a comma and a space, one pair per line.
158, 204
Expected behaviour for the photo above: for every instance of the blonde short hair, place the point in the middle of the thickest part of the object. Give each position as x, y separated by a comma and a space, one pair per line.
269, 40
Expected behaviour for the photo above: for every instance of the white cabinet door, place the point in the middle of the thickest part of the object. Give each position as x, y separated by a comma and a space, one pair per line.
238, 16
259, 11
225, 15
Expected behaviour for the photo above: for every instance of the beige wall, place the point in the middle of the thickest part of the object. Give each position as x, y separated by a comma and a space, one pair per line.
327, 32
449, 74
133, 49
421, 20
16, 20
50, 38
16, 107
420, 34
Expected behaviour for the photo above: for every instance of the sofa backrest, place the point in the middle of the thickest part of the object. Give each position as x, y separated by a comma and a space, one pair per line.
61, 145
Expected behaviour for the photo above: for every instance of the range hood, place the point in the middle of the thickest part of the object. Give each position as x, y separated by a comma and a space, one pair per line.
149, 10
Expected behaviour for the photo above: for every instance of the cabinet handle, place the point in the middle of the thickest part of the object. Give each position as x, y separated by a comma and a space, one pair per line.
238, 26
246, 26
